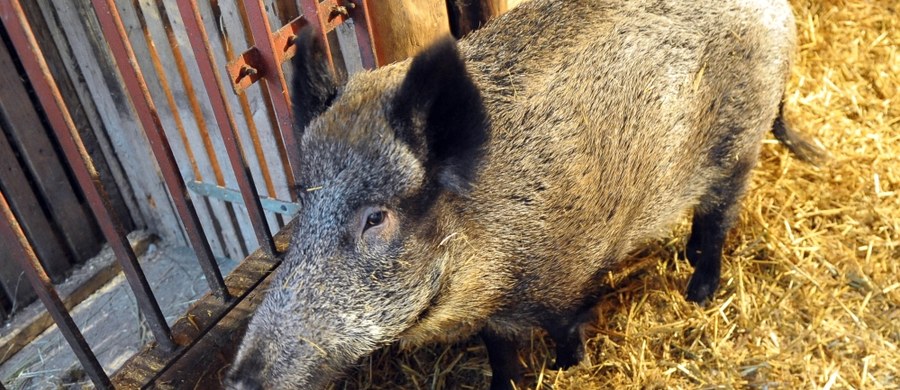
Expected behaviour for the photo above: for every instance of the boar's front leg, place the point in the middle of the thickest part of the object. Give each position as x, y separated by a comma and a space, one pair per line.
569, 346
503, 355
713, 218
566, 334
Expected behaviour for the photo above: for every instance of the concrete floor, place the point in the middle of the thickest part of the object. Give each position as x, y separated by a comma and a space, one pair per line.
110, 322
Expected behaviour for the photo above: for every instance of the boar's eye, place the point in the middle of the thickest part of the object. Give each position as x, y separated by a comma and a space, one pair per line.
374, 218
378, 220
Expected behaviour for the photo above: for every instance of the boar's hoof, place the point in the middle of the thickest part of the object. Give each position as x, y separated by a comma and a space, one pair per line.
702, 286
569, 346
568, 356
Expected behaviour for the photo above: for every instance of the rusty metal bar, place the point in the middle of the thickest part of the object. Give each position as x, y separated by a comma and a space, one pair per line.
271, 59
243, 71
332, 13
114, 32
250, 66
310, 9
189, 91
23, 253
211, 80
167, 90
81, 163
252, 130
363, 26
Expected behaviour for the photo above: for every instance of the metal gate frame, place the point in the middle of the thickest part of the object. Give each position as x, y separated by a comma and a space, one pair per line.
261, 62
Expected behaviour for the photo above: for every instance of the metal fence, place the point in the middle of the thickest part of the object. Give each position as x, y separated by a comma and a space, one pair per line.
261, 62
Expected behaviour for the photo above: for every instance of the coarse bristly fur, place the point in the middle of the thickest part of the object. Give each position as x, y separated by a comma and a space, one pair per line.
486, 188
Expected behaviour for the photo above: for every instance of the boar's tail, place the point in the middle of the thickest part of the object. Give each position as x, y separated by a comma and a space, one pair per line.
796, 142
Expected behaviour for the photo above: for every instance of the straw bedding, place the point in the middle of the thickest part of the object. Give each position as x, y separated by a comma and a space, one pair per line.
810, 294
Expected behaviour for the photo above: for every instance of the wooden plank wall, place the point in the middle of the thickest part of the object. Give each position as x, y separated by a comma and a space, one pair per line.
165, 57
75, 26
87, 75
36, 181
170, 68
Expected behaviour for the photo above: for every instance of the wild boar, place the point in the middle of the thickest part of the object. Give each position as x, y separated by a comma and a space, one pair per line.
485, 187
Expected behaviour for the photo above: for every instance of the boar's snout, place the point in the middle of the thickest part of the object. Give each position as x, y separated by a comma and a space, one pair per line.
275, 363
235, 383
246, 374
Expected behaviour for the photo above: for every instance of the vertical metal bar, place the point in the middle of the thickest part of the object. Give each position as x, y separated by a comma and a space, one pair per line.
167, 90
310, 9
23, 253
248, 112
271, 73
190, 14
80, 161
117, 38
363, 26
189, 91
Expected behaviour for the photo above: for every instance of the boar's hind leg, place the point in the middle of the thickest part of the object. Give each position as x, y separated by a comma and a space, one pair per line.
713, 217
503, 355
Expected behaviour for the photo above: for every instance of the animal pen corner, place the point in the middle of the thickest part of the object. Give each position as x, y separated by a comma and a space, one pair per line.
166, 115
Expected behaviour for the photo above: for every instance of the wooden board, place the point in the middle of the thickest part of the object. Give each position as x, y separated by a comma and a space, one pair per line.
129, 145
157, 64
205, 365
66, 68
13, 284
45, 166
13, 178
29, 215
193, 108
83, 111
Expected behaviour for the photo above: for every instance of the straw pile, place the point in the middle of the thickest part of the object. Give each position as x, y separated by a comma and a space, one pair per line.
810, 295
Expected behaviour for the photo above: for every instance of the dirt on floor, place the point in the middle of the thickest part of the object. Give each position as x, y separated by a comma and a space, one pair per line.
110, 322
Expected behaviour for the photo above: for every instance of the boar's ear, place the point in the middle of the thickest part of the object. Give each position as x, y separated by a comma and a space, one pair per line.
313, 86
438, 111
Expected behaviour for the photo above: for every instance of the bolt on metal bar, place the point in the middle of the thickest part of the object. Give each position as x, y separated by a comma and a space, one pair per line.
82, 165
24, 254
114, 32
190, 14
271, 72
252, 129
